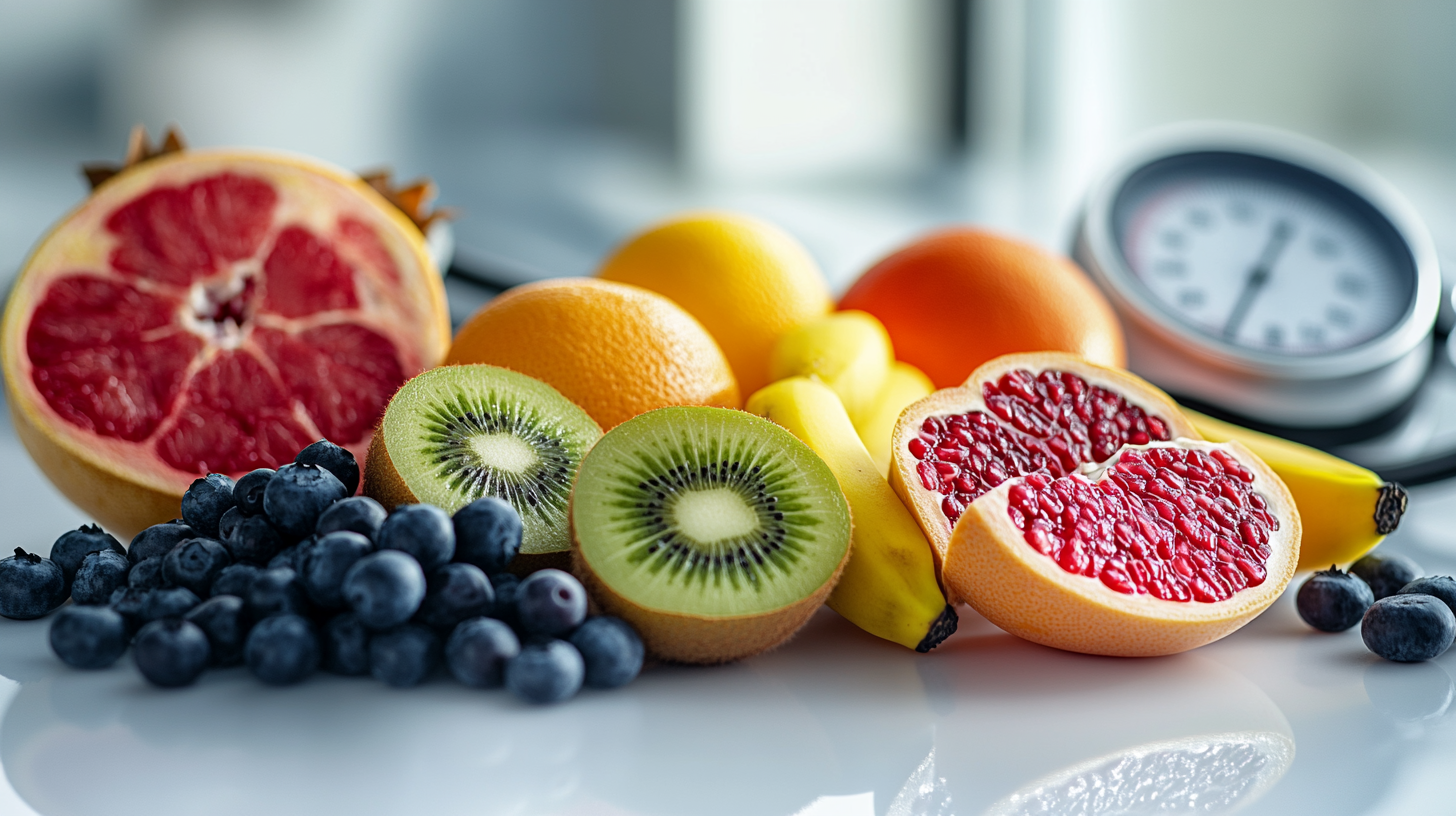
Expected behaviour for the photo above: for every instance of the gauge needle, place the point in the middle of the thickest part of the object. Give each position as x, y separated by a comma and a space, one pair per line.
1258, 277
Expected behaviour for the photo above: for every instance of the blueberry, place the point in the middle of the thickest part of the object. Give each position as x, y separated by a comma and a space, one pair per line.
30, 586
505, 585
75, 545
1408, 628
478, 651
292, 557
336, 460
254, 541
453, 593
487, 534
297, 495
276, 591
282, 649
1332, 600
158, 540
88, 637
101, 574
326, 562
172, 602
128, 602
148, 574
404, 656
224, 619
422, 530
235, 579
195, 564
346, 645
1386, 573
357, 514
248, 492
611, 650
550, 602
1440, 586
229, 522
546, 672
171, 652
385, 588
205, 501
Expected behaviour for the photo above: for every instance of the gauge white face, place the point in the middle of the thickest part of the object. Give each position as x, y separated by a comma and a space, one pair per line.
1265, 266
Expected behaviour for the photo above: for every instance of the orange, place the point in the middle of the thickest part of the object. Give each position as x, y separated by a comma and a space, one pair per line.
746, 280
957, 298
615, 350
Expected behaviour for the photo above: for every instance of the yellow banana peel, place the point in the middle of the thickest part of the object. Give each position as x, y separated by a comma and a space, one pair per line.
905, 385
848, 351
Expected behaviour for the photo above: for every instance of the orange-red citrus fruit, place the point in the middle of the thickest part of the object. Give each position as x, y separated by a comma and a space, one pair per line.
615, 350
957, 298
746, 280
213, 311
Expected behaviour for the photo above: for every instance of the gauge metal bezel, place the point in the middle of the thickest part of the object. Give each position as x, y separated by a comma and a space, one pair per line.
1103, 255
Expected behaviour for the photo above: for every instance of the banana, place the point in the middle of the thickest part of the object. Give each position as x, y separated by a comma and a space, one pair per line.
889, 587
906, 384
1345, 509
848, 351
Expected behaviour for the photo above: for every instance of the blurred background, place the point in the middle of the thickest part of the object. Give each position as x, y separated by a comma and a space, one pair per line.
556, 127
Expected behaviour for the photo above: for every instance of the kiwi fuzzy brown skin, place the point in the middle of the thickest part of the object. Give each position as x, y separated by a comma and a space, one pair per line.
679, 638
383, 484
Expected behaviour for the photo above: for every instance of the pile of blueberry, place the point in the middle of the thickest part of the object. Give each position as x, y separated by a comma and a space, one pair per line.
1403, 616
287, 571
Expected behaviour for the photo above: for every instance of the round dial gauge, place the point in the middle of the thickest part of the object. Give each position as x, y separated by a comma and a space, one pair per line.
1265, 275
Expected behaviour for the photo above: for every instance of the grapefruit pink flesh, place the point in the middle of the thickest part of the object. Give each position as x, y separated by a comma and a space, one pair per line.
217, 313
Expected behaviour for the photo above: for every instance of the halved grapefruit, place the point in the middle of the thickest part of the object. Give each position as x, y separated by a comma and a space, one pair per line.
213, 311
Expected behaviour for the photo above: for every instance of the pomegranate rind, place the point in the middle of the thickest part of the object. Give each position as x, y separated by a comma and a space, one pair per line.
925, 504
124, 485
992, 568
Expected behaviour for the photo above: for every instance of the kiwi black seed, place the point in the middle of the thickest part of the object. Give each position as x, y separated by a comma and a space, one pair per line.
458, 433
685, 516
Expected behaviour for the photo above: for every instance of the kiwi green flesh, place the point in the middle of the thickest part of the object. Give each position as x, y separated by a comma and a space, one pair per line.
708, 512
457, 433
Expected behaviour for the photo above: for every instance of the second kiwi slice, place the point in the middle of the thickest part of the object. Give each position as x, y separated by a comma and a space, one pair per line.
454, 434
716, 533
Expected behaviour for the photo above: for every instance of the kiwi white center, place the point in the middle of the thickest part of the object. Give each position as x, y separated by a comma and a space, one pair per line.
504, 452
713, 515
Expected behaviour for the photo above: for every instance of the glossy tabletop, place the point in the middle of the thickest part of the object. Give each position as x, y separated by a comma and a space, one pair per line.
1274, 719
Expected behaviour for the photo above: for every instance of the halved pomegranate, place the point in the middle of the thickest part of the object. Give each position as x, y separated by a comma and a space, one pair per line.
1017, 414
1163, 548
213, 311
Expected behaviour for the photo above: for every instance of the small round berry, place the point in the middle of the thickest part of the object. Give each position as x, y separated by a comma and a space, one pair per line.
148, 574
550, 602
345, 643
385, 588
276, 591
88, 637
205, 501
254, 541
611, 650
30, 586
229, 522
404, 656
327, 561
422, 530
168, 602
158, 540
1439, 586
336, 460
1386, 573
487, 534
195, 564
171, 652
546, 672
478, 651
297, 495
248, 492
235, 579
356, 514
453, 593
225, 621
292, 557
73, 547
1332, 600
282, 649
101, 574
505, 585
1408, 628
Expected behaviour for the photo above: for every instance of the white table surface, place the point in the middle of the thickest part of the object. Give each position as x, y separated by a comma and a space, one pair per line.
1274, 719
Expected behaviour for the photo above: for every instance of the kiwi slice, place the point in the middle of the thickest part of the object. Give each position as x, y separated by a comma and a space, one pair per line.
454, 434
715, 532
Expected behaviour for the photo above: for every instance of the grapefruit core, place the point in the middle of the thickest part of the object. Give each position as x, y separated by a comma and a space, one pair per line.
213, 311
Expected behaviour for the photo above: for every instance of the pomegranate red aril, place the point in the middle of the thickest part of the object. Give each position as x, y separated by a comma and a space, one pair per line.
919, 448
